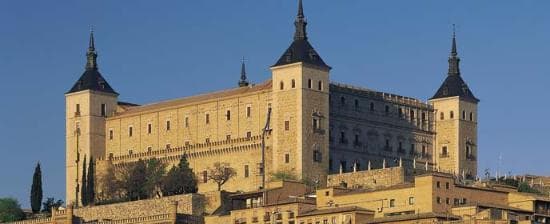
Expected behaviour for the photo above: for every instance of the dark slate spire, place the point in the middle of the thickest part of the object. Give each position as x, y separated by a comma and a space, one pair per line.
91, 79
454, 85
301, 50
300, 24
243, 81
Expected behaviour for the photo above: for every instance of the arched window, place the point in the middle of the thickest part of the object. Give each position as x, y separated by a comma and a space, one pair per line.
309, 83
463, 115
293, 84
281, 85
451, 114
441, 116
471, 116
320, 85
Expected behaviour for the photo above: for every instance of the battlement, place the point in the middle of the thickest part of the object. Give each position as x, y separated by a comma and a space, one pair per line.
382, 96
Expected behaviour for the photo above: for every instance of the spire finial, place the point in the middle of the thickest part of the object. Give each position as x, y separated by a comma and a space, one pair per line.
243, 81
91, 55
300, 23
454, 60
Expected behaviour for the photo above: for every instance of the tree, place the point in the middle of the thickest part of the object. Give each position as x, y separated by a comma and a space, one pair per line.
179, 179
36, 189
90, 185
83, 187
135, 183
154, 175
221, 173
111, 185
51, 203
10, 210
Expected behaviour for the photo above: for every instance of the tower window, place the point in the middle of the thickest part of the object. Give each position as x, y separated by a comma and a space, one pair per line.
342, 137
246, 172
207, 118
471, 116
309, 83
103, 110
316, 124
228, 115
167, 146
149, 128
205, 176
441, 116
130, 131
342, 100
424, 152
168, 125
411, 200
444, 152
293, 84
451, 114
463, 115
248, 134
186, 122
77, 112
287, 125
287, 158
111, 134
248, 111
392, 203
371, 106
356, 103
320, 85
207, 140
149, 149
228, 137
281, 85
317, 156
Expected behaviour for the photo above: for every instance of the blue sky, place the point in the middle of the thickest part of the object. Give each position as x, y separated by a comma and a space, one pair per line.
154, 50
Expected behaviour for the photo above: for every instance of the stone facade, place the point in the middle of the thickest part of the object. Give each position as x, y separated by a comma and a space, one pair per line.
376, 178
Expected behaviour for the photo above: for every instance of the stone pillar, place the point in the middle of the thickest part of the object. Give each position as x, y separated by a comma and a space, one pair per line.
173, 211
69, 214
384, 164
368, 165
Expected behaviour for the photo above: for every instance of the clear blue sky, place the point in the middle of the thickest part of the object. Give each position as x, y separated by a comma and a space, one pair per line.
154, 50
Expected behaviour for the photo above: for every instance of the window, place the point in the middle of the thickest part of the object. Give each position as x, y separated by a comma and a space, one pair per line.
456, 201
246, 172
342, 137
387, 109
438, 199
309, 83
356, 103
167, 146
207, 140
248, 111
342, 100
447, 185
400, 112
149, 128
413, 146
281, 85
130, 131
400, 146
186, 122
463, 201
293, 84
205, 176
444, 152
103, 110
412, 115
77, 112
228, 115
320, 85
438, 184
187, 143
441, 116
451, 114
471, 116
130, 152
411, 200
248, 134
168, 125
387, 143
316, 124
149, 149
392, 203
317, 156
228, 137
468, 152
356, 140
371, 106
207, 118
447, 201
423, 116
287, 158
111, 134
424, 152
287, 125
463, 115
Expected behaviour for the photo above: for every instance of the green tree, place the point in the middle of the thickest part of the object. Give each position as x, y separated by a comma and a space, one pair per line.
36, 189
10, 210
84, 187
135, 183
283, 175
154, 175
51, 203
524, 187
179, 179
90, 182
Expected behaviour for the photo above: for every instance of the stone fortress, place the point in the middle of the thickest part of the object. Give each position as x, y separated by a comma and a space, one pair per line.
315, 127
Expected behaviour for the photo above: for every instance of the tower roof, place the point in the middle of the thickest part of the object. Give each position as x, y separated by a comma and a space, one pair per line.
91, 79
243, 81
301, 50
454, 85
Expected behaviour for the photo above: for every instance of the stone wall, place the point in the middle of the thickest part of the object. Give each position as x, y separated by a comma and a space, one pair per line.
369, 178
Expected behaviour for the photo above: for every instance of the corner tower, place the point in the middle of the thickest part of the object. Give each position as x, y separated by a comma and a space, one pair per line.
301, 108
456, 122
87, 103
